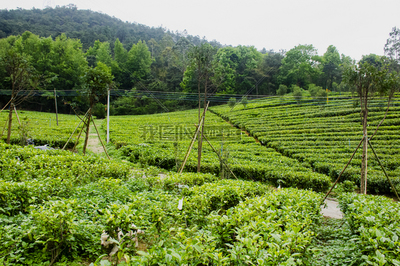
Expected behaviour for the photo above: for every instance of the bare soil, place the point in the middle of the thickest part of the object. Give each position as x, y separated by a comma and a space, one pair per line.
94, 144
332, 209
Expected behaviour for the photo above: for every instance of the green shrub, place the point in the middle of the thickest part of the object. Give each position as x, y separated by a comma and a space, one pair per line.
232, 102
99, 111
376, 219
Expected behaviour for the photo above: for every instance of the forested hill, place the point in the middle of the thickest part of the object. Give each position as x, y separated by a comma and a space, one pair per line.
86, 25
153, 69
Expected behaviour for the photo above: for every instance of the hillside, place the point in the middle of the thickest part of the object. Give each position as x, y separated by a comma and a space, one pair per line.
86, 25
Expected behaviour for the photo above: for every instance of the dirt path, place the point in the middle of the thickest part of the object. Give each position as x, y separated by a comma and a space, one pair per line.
332, 209
94, 144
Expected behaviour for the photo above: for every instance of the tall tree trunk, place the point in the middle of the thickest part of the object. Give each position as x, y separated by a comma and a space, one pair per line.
87, 130
10, 122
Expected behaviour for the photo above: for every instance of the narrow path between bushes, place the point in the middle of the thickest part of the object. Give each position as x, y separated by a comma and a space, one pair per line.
332, 209
94, 144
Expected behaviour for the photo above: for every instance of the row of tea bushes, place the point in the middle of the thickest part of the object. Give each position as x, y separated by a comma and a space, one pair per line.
271, 229
162, 140
31, 176
219, 221
42, 128
376, 221
324, 137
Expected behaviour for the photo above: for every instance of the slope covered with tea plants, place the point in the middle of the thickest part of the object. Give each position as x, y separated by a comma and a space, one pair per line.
324, 136
162, 140
41, 128
55, 205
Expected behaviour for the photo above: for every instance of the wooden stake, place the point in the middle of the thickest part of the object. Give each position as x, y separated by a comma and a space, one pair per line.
87, 131
383, 169
16, 113
192, 142
337, 180
5, 106
79, 136
200, 144
4, 128
80, 133
15, 110
219, 157
74, 131
104, 147
65, 145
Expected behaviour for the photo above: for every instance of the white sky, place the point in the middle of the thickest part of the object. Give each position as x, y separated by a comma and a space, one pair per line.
355, 27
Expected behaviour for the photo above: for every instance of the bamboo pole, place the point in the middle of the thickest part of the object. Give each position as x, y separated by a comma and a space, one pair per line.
80, 133
4, 128
219, 157
188, 151
65, 145
5, 106
74, 131
15, 110
192, 142
337, 180
87, 131
79, 136
104, 147
383, 169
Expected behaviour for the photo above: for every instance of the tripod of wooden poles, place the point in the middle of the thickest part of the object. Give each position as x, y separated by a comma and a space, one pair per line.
87, 118
198, 131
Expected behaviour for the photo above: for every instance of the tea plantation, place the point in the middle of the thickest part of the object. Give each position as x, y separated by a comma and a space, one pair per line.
323, 136
62, 208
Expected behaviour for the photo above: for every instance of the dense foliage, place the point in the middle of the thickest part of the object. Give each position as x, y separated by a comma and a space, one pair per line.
62, 208
42, 129
375, 221
144, 59
161, 140
324, 135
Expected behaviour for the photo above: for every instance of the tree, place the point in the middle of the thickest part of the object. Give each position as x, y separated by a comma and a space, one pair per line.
68, 63
120, 54
369, 80
99, 52
235, 69
182, 47
91, 53
282, 90
297, 94
330, 67
139, 61
392, 46
119, 66
201, 66
267, 72
232, 102
299, 67
97, 82
58, 64
19, 74
103, 54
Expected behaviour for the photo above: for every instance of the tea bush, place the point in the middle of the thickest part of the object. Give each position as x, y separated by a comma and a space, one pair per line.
376, 220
